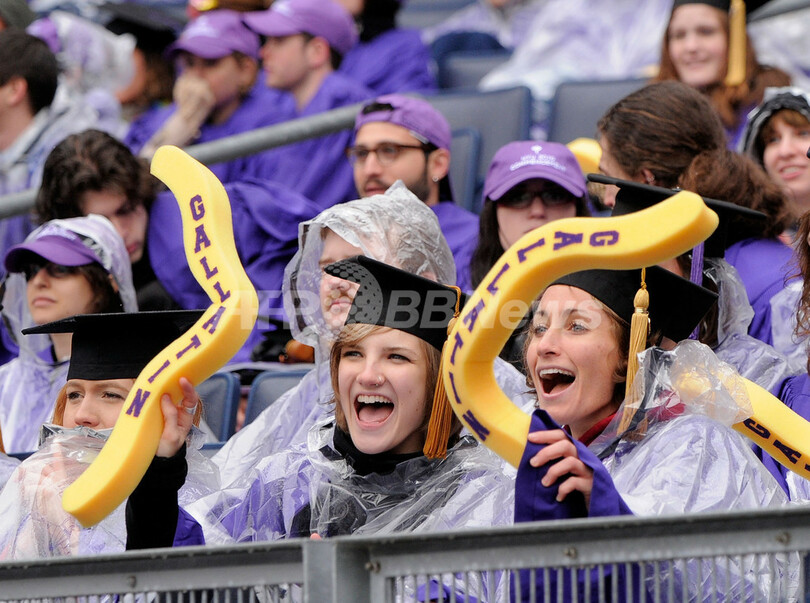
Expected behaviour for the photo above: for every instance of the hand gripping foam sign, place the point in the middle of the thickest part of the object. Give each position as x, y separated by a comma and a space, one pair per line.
209, 344
643, 238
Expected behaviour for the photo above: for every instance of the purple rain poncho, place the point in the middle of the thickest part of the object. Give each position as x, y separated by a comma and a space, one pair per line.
33, 523
29, 383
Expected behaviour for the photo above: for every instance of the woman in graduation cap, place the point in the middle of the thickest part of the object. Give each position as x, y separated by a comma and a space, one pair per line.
393, 459
706, 46
395, 228
102, 371
64, 267
659, 431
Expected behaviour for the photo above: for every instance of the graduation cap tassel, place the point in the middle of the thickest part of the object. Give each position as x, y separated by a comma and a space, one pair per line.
441, 415
639, 332
735, 72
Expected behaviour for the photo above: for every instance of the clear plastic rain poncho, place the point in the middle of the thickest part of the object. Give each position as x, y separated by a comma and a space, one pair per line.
679, 456
395, 228
30, 382
752, 358
466, 489
32, 521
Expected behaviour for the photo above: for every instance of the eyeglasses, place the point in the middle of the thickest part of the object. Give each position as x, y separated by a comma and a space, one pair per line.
54, 270
386, 152
551, 197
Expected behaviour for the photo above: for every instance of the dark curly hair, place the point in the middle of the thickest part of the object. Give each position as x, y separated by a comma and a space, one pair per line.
91, 161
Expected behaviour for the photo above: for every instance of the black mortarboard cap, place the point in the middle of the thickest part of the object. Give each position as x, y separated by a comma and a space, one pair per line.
119, 345
393, 298
677, 305
724, 5
154, 27
736, 222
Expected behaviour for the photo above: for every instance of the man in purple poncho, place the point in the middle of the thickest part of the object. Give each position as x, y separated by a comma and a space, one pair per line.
217, 94
306, 41
404, 138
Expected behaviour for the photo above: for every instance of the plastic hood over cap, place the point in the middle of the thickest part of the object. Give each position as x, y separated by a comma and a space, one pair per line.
774, 99
395, 228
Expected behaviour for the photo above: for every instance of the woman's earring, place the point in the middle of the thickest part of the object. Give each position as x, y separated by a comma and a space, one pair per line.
435, 178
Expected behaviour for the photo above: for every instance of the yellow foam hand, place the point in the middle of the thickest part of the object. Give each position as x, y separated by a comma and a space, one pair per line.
647, 237
209, 344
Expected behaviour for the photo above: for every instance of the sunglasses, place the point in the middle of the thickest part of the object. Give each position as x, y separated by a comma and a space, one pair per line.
53, 270
551, 197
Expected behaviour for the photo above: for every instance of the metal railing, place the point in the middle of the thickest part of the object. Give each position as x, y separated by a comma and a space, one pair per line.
231, 147
462, 565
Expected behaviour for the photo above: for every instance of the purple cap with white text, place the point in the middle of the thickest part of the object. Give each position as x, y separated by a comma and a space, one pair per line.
54, 244
524, 160
322, 18
216, 34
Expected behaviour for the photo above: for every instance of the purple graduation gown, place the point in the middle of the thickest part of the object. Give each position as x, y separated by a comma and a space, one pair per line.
460, 228
317, 168
394, 61
764, 265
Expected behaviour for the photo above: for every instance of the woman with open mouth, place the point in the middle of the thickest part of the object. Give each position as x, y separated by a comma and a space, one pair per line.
659, 435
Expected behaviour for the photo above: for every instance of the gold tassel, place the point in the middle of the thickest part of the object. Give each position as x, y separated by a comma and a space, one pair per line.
639, 332
735, 74
441, 415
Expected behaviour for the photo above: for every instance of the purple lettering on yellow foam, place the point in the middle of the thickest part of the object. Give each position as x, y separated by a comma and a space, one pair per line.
792, 455
471, 316
137, 402
223, 295
607, 237
474, 424
202, 239
492, 286
195, 343
523, 252
458, 343
209, 272
163, 366
757, 429
210, 325
453, 385
564, 239
197, 207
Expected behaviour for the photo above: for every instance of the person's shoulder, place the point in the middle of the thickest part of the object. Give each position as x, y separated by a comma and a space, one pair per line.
344, 89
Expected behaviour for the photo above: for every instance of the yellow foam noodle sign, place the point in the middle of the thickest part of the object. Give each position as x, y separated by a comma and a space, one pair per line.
644, 238
201, 351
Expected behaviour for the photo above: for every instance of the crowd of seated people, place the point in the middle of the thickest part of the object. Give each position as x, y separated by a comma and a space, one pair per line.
332, 229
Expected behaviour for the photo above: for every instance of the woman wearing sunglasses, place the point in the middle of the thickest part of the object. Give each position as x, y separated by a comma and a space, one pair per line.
65, 267
529, 183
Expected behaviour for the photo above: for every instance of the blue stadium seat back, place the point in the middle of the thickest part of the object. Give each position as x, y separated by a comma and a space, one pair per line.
464, 149
419, 14
499, 116
463, 70
577, 106
220, 394
267, 387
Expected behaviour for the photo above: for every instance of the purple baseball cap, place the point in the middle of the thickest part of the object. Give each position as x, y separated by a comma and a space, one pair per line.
216, 34
322, 18
414, 114
55, 244
523, 160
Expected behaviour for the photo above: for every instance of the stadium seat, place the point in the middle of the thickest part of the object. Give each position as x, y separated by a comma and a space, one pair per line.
465, 148
419, 14
464, 69
499, 117
577, 106
220, 395
267, 387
